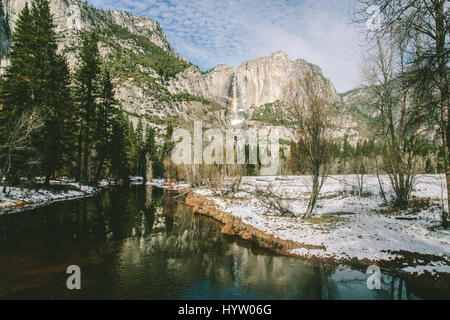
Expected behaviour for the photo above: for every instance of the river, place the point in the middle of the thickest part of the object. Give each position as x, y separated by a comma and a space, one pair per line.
138, 243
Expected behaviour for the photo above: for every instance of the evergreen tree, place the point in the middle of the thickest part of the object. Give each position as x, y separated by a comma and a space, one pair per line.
429, 168
150, 143
150, 150
106, 115
347, 152
142, 155
16, 93
50, 83
39, 78
44, 47
251, 169
120, 147
130, 135
163, 153
57, 137
87, 91
139, 151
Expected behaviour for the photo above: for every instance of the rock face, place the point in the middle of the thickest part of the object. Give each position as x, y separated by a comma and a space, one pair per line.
72, 16
153, 83
126, 43
215, 85
265, 80
260, 81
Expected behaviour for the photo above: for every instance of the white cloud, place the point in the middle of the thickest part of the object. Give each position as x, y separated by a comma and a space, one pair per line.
210, 32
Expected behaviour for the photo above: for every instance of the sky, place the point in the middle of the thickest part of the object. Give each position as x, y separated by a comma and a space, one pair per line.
213, 32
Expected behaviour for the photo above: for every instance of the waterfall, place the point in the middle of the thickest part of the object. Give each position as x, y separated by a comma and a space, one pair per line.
237, 119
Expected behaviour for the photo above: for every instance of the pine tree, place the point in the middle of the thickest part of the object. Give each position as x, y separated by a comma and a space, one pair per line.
252, 169
142, 149
167, 145
44, 47
429, 168
138, 155
150, 151
130, 136
50, 83
38, 78
120, 147
16, 96
150, 143
347, 152
87, 91
105, 116
162, 153
16, 87
57, 137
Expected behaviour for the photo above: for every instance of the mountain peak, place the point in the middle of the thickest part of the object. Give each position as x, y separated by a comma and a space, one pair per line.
279, 54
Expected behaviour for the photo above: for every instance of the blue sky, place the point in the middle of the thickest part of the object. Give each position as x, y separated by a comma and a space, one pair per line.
212, 32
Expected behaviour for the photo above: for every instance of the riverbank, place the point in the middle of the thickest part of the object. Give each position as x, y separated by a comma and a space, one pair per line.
21, 199
345, 229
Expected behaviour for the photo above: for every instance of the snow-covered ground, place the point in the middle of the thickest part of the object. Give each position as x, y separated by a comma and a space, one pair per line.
156, 183
348, 226
17, 199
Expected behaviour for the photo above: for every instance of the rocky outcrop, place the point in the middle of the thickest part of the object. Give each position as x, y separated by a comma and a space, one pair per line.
71, 16
259, 82
215, 85
5, 36
265, 80
125, 33
154, 83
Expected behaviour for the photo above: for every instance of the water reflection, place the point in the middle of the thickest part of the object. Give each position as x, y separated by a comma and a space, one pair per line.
136, 243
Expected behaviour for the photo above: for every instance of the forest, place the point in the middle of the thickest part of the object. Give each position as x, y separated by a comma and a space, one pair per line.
57, 123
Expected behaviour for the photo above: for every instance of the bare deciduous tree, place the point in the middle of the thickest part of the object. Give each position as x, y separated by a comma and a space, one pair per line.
16, 148
360, 170
399, 114
310, 111
272, 202
425, 26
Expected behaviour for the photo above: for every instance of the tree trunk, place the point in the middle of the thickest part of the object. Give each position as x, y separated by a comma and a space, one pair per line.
440, 22
47, 179
313, 198
447, 176
4, 185
446, 220
85, 177
7, 172
149, 169
79, 155
99, 169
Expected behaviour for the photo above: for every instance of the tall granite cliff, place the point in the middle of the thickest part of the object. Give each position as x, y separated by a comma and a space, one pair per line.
156, 84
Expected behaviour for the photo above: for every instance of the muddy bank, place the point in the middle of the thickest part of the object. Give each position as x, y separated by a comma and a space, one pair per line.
438, 284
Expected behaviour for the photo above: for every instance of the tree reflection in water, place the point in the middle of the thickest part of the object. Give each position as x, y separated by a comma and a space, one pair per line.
138, 243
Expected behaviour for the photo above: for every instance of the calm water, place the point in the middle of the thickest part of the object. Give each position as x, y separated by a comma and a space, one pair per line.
137, 243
